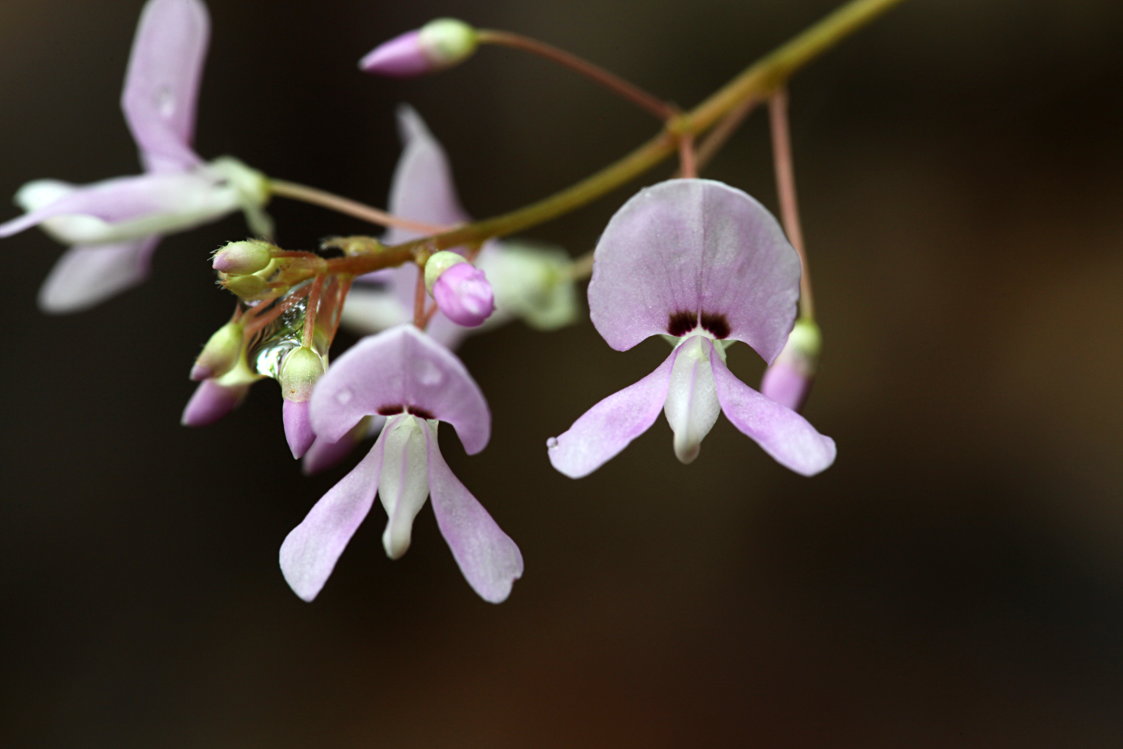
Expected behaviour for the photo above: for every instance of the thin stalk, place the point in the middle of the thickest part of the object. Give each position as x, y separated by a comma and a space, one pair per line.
785, 188
756, 82
611, 81
284, 189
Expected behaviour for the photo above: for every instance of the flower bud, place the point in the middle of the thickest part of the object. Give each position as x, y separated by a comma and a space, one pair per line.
220, 353
460, 289
247, 288
298, 427
788, 379
299, 372
242, 258
435, 46
211, 401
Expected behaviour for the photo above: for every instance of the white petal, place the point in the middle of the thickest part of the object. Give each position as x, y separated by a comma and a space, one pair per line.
404, 484
692, 406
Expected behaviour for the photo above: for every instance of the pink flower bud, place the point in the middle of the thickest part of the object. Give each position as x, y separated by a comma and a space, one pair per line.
464, 295
211, 401
241, 258
436, 45
788, 379
298, 428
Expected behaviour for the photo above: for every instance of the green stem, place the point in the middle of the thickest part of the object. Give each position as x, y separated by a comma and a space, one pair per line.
756, 82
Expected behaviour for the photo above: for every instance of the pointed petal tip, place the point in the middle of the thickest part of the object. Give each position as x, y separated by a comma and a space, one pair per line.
298, 427
400, 57
210, 402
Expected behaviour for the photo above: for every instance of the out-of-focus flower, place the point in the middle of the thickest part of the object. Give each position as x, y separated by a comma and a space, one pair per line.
415, 383
706, 265
115, 224
529, 282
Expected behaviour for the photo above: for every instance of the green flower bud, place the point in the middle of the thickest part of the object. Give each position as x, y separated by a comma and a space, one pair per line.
299, 372
437, 264
220, 353
243, 258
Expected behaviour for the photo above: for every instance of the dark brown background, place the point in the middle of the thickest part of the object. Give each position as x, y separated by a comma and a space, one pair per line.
956, 579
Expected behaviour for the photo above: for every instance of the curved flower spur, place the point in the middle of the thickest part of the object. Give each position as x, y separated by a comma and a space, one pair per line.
407, 377
705, 265
114, 225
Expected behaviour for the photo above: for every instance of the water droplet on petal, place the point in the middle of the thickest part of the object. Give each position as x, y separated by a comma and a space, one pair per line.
552, 442
343, 396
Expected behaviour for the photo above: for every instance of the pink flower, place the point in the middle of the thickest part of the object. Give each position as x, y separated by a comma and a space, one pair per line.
706, 265
114, 225
415, 383
530, 282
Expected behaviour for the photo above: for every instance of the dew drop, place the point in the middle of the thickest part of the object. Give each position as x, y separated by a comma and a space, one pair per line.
551, 443
343, 396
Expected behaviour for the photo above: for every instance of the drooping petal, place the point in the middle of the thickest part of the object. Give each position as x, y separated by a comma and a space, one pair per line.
128, 208
87, 275
422, 189
699, 249
780, 431
488, 558
607, 428
310, 551
400, 367
162, 82
691, 406
404, 484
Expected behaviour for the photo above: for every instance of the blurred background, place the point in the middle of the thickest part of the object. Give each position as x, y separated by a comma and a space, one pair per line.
956, 579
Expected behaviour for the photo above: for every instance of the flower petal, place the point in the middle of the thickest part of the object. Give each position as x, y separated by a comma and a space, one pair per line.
697, 248
607, 428
126, 208
370, 309
488, 558
87, 275
404, 484
310, 551
784, 434
162, 82
323, 454
422, 189
400, 367
691, 407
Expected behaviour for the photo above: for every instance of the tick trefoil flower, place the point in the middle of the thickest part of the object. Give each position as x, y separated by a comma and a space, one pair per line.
706, 265
114, 225
788, 379
435, 46
528, 281
407, 377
